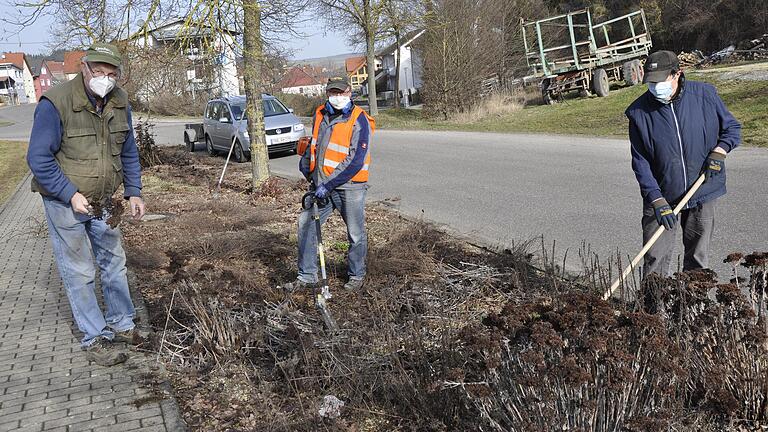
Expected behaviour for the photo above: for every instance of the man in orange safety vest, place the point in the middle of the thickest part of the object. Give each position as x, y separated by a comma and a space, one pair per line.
336, 163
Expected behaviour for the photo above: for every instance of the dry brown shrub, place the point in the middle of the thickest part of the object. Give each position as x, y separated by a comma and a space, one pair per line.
497, 104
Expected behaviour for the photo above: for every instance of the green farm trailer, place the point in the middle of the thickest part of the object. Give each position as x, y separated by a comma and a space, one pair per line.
571, 53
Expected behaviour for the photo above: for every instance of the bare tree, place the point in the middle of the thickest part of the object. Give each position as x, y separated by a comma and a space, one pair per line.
466, 44
360, 18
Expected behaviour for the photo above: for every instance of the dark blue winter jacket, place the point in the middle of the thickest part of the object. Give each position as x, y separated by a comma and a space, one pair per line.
670, 142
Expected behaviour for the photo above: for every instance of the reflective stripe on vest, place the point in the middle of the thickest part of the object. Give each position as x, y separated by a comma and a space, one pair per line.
339, 143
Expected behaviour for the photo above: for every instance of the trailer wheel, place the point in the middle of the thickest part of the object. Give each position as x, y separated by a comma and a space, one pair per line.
639, 68
546, 95
189, 143
629, 70
600, 82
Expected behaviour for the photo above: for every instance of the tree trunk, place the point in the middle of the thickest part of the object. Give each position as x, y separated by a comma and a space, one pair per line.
397, 69
371, 57
253, 57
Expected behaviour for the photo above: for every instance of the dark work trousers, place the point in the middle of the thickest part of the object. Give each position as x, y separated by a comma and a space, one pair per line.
698, 224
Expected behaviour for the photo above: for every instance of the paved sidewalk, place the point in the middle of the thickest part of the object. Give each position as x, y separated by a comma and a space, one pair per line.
46, 384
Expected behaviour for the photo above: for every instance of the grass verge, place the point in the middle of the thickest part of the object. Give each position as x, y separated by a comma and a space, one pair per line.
747, 100
12, 166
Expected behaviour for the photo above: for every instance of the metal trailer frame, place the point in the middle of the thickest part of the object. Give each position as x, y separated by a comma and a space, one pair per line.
583, 64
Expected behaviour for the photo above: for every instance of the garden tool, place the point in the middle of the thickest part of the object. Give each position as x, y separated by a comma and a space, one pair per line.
678, 208
310, 201
221, 178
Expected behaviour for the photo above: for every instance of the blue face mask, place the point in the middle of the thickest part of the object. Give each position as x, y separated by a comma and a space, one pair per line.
661, 91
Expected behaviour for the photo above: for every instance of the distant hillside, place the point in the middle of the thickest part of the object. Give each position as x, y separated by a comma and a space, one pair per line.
331, 62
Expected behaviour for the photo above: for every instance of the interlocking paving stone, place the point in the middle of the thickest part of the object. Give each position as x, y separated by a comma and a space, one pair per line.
46, 384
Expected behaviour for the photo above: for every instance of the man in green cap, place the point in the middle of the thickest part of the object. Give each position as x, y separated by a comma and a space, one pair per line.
81, 150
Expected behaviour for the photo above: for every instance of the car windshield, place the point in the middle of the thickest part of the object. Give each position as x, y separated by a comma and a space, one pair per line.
272, 107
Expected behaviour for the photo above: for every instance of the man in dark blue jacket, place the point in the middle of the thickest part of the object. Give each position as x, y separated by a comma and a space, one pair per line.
679, 130
81, 150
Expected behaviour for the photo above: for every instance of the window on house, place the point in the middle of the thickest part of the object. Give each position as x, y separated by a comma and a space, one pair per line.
42, 70
364, 70
354, 80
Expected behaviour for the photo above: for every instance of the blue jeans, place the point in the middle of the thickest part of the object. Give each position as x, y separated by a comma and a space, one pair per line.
351, 205
76, 238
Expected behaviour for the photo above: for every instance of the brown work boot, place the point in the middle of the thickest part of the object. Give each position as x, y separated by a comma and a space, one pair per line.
130, 336
103, 353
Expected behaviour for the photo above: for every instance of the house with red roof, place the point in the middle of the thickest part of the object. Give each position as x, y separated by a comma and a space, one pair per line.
301, 79
51, 73
72, 63
25, 82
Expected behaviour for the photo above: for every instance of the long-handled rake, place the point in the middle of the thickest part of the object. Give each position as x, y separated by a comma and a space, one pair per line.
221, 178
310, 201
678, 208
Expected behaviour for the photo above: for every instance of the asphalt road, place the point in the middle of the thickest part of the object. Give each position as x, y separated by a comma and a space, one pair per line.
505, 189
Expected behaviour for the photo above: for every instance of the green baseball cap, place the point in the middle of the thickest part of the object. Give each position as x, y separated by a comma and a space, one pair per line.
101, 52
338, 83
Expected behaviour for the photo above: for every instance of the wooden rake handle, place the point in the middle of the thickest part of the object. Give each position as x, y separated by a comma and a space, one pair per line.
678, 208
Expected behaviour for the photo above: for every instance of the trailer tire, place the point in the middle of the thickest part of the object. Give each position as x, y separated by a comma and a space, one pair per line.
546, 95
629, 70
640, 72
189, 143
600, 83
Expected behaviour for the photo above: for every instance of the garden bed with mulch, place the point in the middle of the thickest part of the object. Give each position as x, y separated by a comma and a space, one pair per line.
445, 335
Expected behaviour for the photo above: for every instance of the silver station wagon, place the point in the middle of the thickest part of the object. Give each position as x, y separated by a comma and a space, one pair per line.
224, 121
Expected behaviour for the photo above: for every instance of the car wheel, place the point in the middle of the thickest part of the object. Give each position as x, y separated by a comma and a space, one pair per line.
209, 146
239, 154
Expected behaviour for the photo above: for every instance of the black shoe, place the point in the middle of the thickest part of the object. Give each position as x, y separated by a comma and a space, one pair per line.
103, 353
296, 285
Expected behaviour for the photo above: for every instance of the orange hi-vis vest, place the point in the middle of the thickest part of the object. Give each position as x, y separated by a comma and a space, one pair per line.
338, 147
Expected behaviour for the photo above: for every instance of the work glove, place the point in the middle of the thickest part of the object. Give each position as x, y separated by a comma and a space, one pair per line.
664, 214
321, 192
714, 165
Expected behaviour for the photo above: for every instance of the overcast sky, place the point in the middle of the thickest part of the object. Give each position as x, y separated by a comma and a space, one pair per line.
35, 39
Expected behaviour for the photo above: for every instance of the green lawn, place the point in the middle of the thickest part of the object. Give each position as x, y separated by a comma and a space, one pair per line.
748, 100
13, 166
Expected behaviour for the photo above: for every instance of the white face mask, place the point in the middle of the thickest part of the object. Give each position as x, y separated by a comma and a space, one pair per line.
661, 91
102, 85
339, 102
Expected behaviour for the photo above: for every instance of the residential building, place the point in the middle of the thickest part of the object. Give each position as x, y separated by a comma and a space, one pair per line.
51, 73
212, 66
20, 61
302, 79
411, 67
357, 71
72, 63
12, 84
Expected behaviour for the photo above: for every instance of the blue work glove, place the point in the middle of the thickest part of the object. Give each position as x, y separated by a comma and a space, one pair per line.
664, 214
321, 192
714, 165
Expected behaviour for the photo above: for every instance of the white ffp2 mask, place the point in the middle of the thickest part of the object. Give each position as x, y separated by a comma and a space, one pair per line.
339, 102
102, 85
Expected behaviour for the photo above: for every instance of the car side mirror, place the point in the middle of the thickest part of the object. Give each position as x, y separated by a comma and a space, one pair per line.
290, 110
224, 120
